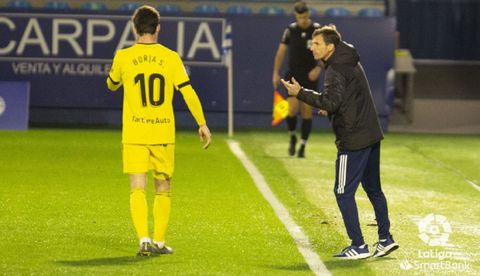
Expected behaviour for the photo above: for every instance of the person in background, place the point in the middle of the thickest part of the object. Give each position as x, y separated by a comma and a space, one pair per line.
296, 40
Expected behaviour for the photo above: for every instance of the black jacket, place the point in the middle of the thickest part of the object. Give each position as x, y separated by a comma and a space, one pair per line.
348, 100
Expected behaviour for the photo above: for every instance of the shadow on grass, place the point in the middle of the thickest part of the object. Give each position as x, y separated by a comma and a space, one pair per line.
125, 260
382, 259
346, 264
286, 156
279, 156
290, 267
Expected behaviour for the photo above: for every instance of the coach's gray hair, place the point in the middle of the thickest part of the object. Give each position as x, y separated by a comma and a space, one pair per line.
329, 33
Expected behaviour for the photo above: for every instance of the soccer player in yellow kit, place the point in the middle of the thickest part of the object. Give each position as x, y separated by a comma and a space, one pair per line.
149, 73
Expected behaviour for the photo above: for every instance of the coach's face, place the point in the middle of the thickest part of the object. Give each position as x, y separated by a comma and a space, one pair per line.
320, 50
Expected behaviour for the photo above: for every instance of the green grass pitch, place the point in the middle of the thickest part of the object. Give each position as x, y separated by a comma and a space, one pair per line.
64, 206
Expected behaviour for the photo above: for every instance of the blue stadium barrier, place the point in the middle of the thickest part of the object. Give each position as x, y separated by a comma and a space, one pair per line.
239, 9
169, 9
205, 8
370, 12
313, 11
74, 91
93, 6
57, 5
19, 4
14, 104
337, 11
271, 10
129, 6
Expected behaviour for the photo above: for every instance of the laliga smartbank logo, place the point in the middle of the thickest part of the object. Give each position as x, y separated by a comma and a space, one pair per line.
434, 231
3, 105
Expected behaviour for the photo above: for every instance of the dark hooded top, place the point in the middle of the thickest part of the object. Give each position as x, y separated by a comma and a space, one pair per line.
348, 100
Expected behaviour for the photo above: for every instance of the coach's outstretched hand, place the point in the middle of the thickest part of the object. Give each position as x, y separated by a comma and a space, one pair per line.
293, 87
205, 135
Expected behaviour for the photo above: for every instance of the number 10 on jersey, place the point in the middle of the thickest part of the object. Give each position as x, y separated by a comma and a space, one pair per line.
140, 78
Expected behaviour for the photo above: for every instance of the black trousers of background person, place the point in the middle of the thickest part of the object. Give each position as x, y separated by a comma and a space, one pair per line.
353, 167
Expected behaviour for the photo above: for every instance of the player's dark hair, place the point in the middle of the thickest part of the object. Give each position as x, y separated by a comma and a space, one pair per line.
146, 19
300, 7
329, 33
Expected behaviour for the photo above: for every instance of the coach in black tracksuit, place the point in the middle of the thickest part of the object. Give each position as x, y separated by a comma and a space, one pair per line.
347, 99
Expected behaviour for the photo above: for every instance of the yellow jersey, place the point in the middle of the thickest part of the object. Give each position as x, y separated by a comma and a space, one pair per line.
150, 73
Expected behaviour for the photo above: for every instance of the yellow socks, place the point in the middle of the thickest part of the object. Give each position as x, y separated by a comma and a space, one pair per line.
139, 211
161, 214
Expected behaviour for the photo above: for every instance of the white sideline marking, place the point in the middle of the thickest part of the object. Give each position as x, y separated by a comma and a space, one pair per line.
303, 244
458, 172
475, 185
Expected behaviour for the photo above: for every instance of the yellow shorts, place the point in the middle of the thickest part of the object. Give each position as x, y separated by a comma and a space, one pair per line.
142, 158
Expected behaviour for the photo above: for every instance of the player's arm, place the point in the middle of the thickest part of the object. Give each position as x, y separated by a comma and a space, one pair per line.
182, 84
205, 135
181, 81
195, 107
193, 102
277, 65
279, 57
114, 80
